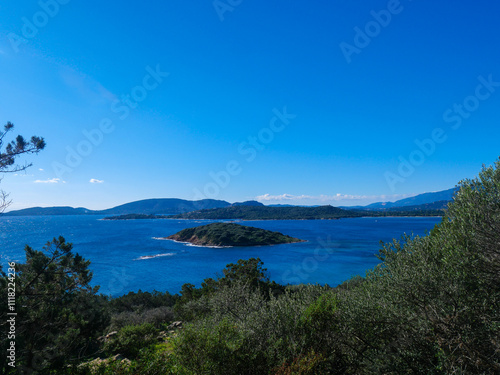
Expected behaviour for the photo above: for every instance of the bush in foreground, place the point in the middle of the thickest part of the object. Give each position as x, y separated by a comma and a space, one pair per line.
431, 307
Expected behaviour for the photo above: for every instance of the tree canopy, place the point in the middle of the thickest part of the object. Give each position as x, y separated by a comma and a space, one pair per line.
57, 308
10, 154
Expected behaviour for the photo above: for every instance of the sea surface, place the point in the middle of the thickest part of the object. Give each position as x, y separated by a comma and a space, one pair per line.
129, 255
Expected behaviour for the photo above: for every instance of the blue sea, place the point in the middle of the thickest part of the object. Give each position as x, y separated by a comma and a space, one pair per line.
130, 255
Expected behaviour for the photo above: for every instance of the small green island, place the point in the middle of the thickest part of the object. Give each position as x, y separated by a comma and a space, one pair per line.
231, 234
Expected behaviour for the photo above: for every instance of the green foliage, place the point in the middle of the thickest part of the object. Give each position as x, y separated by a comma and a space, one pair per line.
250, 271
475, 219
266, 330
13, 150
308, 364
16, 148
321, 311
154, 360
59, 315
140, 307
213, 349
140, 301
304, 213
319, 326
193, 301
432, 306
157, 316
131, 339
230, 234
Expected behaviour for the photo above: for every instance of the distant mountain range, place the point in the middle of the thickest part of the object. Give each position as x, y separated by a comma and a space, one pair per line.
38, 211
439, 205
164, 206
146, 206
426, 201
174, 206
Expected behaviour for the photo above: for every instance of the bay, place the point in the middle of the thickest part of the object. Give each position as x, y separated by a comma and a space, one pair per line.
129, 256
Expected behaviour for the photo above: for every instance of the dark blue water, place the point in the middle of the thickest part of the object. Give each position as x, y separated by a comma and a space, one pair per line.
127, 256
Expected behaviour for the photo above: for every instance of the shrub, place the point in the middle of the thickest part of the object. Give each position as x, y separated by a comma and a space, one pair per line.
131, 339
156, 316
308, 364
213, 349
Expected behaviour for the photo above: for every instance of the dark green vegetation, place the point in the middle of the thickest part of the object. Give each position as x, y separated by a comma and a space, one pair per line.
303, 213
261, 212
428, 209
439, 205
431, 307
248, 203
230, 234
135, 217
270, 213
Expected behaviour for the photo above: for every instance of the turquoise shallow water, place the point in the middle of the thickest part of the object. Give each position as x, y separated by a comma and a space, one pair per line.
128, 256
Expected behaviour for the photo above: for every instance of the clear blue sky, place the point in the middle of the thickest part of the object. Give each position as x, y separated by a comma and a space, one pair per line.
286, 102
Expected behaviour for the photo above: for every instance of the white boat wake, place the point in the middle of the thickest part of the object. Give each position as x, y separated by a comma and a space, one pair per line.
155, 256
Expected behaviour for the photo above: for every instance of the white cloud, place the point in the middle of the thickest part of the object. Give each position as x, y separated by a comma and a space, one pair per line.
41, 169
281, 197
290, 197
96, 181
50, 181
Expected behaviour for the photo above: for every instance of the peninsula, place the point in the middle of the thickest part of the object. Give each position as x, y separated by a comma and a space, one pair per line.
230, 234
135, 217
270, 213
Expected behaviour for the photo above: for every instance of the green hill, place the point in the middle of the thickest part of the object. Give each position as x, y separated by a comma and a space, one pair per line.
163, 206
230, 234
